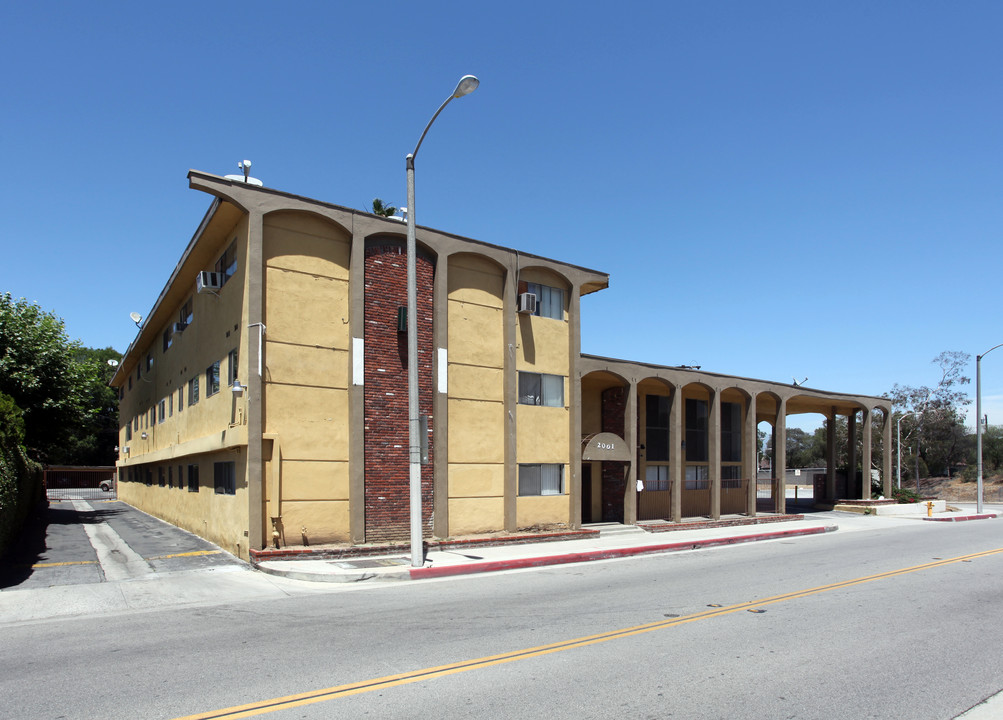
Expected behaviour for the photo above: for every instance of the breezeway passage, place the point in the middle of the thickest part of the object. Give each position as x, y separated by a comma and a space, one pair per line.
382, 683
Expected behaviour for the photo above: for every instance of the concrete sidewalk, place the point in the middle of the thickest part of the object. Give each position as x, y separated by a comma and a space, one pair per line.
622, 542
615, 542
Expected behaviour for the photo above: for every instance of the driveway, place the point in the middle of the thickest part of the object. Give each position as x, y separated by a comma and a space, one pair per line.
85, 541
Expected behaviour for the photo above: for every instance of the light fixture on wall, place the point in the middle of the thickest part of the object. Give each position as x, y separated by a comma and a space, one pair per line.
144, 436
237, 388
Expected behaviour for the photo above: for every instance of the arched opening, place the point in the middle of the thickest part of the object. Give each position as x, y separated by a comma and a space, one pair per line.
604, 476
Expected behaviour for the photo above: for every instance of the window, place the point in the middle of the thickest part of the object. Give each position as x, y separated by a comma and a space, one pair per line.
731, 477
151, 420
149, 477
232, 368
168, 337
135, 423
656, 477
549, 300
181, 399
170, 405
212, 379
696, 430
656, 433
543, 479
187, 313
731, 432
161, 411
128, 432
539, 389
697, 477
160, 476
226, 266
193, 390
149, 362
170, 476
225, 478
193, 478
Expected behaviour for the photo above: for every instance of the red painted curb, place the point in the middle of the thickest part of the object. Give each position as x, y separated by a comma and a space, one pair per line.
496, 565
962, 518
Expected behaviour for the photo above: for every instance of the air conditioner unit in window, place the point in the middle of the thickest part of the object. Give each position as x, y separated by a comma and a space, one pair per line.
526, 303
207, 280
179, 327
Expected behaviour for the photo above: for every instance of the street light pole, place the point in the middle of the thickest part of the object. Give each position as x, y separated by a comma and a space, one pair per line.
978, 421
898, 443
467, 84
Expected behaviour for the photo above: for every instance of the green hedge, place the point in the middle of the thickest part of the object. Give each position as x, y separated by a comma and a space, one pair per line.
21, 488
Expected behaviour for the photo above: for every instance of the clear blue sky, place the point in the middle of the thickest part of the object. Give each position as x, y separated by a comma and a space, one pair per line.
777, 189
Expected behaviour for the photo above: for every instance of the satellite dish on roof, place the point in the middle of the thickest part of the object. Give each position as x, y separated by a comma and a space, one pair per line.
113, 362
245, 167
136, 318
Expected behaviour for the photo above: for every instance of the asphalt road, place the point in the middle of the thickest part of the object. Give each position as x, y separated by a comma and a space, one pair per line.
892, 623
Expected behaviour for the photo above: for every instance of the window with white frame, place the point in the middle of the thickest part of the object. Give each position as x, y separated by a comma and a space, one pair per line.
549, 300
541, 389
541, 479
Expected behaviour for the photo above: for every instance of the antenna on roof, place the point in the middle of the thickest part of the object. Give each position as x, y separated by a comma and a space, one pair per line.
136, 318
245, 167
799, 384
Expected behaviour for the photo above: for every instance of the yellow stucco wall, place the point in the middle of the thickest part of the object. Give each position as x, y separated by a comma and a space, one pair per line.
543, 434
476, 401
306, 372
211, 430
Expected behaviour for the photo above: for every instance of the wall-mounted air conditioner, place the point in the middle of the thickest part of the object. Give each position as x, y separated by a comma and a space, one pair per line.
207, 280
179, 327
526, 303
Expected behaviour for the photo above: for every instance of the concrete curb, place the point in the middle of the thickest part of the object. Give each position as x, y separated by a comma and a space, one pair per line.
962, 518
497, 565
448, 570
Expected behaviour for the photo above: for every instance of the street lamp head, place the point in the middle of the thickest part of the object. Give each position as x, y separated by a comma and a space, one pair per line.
467, 84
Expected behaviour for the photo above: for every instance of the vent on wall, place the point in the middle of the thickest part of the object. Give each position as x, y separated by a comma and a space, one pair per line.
526, 303
207, 281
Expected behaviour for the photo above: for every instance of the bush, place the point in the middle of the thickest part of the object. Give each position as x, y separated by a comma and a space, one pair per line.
20, 478
905, 495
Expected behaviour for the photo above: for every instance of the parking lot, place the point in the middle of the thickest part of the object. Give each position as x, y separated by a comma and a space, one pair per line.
93, 539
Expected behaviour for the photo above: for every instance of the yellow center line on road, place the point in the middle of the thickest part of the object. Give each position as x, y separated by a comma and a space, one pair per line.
315, 696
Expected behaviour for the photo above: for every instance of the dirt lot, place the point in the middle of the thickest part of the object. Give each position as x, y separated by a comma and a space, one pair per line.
957, 490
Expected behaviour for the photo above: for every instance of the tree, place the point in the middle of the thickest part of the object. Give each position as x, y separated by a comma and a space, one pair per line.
804, 450
94, 441
383, 210
937, 427
39, 372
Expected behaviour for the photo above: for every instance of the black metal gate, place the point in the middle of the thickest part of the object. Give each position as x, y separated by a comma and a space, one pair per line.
69, 482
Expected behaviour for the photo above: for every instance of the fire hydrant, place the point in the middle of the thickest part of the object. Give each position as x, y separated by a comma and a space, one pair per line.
929, 509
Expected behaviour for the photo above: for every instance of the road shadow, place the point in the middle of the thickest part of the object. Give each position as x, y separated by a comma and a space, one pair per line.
31, 545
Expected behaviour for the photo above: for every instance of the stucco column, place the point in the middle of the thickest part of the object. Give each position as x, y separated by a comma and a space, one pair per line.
851, 452
255, 410
780, 458
630, 438
511, 380
830, 457
750, 456
357, 390
865, 459
575, 412
676, 452
714, 452
886, 454
440, 398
